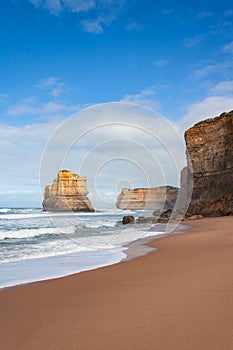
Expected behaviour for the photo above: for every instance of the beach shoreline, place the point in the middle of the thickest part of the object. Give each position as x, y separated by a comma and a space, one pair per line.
25, 271
177, 297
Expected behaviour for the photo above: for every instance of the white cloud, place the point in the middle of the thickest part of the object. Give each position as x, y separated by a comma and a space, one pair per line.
4, 97
104, 151
134, 26
79, 5
54, 6
204, 71
46, 109
190, 42
47, 83
146, 97
94, 26
228, 47
52, 84
222, 88
21, 151
160, 63
100, 12
57, 6
204, 14
211, 67
228, 12
209, 107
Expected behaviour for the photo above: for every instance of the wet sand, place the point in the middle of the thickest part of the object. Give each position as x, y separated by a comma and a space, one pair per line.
179, 296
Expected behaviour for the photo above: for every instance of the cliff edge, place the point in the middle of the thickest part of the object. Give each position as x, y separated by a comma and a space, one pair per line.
209, 147
67, 193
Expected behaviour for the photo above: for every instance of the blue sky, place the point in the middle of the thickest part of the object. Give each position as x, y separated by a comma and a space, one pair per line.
59, 56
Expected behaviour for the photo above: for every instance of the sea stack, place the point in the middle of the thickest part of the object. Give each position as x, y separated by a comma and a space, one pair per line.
67, 193
209, 168
155, 198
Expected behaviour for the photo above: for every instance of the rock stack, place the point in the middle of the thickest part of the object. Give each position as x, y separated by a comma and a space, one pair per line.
67, 193
163, 197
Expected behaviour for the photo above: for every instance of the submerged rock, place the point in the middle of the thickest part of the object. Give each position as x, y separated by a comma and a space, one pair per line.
163, 213
129, 219
147, 220
67, 193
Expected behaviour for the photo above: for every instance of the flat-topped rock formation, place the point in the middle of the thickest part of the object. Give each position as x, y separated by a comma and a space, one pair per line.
163, 197
210, 166
67, 193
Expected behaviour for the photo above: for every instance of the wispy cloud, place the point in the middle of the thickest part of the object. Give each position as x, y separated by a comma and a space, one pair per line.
209, 107
228, 12
160, 63
228, 47
167, 11
54, 6
52, 84
190, 42
79, 5
204, 71
94, 26
146, 97
48, 82
48, 108
57, 6
222, 88
100, 12
213, 70
134, 26
218, 99
4, 97
109, 142
204, 14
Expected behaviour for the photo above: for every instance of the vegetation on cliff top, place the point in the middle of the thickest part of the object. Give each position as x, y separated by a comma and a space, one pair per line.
211, 120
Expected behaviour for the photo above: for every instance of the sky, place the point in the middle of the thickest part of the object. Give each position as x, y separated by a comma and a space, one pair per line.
58, 57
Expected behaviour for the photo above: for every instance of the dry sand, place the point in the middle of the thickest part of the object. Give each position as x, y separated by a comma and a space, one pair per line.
178, 297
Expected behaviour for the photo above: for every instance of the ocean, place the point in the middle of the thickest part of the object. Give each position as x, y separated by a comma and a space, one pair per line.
36, 245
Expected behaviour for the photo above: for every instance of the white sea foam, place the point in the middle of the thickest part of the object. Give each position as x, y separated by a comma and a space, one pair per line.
29, 233
45, 250
13, 214
5, 210
26, 271
29, 237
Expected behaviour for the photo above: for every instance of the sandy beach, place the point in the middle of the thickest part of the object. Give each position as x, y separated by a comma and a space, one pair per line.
177, 297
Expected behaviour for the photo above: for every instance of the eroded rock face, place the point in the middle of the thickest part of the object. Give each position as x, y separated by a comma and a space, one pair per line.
67, 193
163, 197
210, 166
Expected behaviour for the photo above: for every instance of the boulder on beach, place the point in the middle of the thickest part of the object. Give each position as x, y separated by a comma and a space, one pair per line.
129, 219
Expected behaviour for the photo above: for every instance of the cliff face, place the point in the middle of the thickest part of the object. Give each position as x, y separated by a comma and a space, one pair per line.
147, 198
210, 166
67, 193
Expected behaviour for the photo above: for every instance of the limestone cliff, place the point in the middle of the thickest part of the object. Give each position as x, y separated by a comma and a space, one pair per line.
67, 193
210, 166
163, 197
